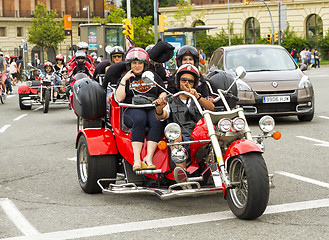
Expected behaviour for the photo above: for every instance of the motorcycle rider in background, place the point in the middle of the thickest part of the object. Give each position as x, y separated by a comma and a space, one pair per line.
83, 46
182, 110
80, 65
59, 66
49, 72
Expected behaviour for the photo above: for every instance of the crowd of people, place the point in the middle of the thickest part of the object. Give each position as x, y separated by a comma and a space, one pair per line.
307, 56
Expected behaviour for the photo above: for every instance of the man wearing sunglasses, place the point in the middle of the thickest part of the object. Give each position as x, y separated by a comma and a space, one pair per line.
182, 110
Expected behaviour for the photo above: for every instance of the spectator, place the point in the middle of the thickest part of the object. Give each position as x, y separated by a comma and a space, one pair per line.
3, 75
20, 67
317, 58
13, 70
294, 54
303, 56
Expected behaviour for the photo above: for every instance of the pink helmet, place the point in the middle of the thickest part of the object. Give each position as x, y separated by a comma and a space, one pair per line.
60, 57
138, 54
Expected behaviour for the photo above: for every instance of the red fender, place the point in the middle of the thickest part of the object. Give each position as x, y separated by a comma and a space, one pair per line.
240, 147
100, 141
24, 89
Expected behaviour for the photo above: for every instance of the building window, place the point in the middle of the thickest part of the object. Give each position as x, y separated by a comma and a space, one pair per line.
19, 32
252, 30
314, 26
2, 31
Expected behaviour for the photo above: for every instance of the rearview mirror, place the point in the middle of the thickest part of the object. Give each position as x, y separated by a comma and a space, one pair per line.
240, 72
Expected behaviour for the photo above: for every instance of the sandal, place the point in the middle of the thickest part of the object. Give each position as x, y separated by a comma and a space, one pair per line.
149, 166
137, 167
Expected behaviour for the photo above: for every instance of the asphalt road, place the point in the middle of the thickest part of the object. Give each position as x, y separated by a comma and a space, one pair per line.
40, 197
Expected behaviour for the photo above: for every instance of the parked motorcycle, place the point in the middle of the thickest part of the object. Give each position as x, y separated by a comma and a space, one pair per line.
224, 157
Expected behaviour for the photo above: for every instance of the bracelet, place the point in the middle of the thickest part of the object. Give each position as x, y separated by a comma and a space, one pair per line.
199, 97
159, 114
122, 84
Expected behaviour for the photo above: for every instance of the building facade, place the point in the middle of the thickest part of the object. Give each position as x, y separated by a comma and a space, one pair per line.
16, 16
307, 18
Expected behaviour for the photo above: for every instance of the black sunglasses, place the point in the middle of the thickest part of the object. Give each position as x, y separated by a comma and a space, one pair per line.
117, 56
187, 79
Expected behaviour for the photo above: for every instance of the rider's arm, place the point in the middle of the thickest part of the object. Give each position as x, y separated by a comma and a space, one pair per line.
205, 103
120, 93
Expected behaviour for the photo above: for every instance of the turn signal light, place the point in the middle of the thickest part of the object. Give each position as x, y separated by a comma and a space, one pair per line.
276, 135
162, 145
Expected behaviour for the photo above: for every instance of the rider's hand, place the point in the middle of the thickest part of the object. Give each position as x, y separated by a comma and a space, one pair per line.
160, 103
186, 87
128, 75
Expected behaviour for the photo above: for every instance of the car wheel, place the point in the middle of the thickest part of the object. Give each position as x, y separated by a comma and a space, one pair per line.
92, 168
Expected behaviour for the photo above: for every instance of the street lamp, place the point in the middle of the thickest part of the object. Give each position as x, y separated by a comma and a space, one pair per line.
84, 9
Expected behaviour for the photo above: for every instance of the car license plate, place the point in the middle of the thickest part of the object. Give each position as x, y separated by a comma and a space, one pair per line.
276, 99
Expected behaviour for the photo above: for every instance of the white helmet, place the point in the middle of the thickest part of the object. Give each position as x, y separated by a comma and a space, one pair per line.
82, 45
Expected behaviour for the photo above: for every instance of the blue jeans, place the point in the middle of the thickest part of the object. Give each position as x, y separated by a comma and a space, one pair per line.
137, 119
8, 84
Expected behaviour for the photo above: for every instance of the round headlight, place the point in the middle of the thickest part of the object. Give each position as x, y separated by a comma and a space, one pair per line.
238, 124
179, 154
224, 125
266, 124
172, 131
29, 83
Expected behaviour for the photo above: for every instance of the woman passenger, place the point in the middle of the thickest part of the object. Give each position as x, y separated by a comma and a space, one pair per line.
130, 85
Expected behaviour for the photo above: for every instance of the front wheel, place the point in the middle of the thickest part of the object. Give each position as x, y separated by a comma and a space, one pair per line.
92, 168
47, 100
249, 198
22, 106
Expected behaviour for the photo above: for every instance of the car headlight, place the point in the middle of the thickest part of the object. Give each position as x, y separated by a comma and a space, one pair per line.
238, 124
266, 124
242, 86
304, 83
172, 131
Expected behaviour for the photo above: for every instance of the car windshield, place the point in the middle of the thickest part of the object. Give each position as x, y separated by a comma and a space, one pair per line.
259, 59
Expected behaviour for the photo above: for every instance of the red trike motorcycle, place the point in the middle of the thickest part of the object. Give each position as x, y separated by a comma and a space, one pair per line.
224, 157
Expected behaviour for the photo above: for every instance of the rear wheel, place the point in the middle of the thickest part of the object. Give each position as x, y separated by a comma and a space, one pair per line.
249, 198
22, 106
47, 100
92, 168
2, 98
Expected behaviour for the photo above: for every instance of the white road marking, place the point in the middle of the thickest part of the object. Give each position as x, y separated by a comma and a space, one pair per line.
38, 108
305, 179
321, 143
324, 117
20, 117
167, 222
4, 128
72, 159
17, 218
10, 96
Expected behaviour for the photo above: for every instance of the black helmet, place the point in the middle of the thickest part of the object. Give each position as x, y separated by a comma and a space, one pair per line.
187, 50
188, 68
116, 50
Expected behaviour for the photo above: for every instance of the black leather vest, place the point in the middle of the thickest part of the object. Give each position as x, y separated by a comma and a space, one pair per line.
184, 116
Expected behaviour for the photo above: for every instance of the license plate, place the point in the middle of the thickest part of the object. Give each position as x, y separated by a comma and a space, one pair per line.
276, 99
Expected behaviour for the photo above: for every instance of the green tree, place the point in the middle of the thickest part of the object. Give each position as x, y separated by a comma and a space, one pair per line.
45, 31
210, 43
143, 32
115, 16
139, 8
